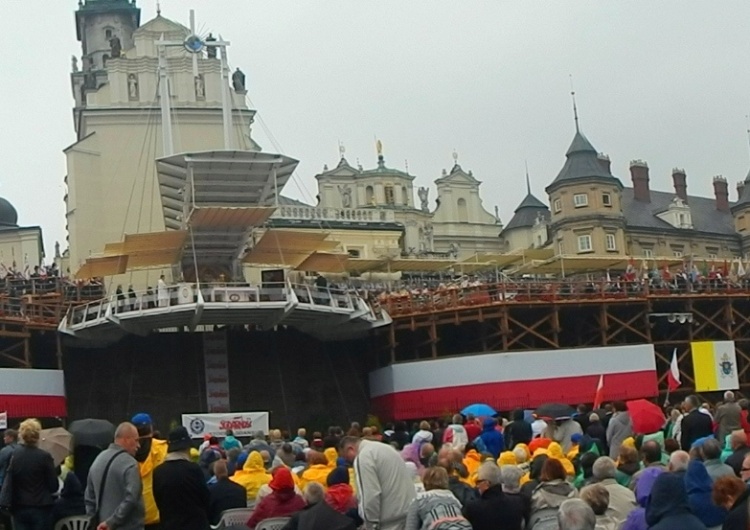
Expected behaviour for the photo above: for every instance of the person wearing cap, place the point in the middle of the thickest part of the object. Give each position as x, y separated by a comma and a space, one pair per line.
283, 500
180, 490
150, 454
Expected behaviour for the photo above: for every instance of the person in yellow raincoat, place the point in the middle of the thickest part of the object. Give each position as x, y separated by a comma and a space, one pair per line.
472, 460
151, 453
507, 458
317, 470
555, 451
252, 476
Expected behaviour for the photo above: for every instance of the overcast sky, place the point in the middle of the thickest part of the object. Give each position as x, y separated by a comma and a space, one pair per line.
667, 82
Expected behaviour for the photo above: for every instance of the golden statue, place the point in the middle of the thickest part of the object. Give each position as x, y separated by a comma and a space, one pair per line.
379, 147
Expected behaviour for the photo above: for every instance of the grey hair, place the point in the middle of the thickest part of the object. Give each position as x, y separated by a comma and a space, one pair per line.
711, 449
510, 478
678, 461
575, 514
489, 472
604, 467
314, 493
729, 396
520, 455
457, 419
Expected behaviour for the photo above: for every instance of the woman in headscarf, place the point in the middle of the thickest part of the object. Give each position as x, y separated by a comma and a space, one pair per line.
636, 519
282, 502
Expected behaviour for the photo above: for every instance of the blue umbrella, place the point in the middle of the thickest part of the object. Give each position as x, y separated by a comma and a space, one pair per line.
479, 410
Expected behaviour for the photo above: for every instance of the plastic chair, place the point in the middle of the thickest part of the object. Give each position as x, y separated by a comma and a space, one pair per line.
236, 517
274, 523
76, 522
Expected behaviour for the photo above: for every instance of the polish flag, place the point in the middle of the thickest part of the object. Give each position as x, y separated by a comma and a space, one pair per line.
599, 397
673, 375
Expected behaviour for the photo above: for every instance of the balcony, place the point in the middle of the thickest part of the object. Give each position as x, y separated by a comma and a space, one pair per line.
356, 215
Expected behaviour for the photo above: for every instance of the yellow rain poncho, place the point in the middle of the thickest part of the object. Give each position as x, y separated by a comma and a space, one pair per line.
155, 457
555, 451
252, 475
507, 458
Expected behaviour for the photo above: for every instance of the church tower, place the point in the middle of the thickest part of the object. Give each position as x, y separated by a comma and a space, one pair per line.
100, 24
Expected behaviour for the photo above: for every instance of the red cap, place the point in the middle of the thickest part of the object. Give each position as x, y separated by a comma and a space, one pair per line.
282, 479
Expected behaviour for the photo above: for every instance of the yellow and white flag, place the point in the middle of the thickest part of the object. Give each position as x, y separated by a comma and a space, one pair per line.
714, 365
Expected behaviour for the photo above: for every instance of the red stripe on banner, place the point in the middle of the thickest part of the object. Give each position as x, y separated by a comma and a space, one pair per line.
34, 406
508, 395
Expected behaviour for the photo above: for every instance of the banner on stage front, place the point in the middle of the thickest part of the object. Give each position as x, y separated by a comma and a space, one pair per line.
3, 420
242, 423
714, 365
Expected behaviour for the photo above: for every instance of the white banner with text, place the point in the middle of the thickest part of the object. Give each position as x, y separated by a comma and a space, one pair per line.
243, 424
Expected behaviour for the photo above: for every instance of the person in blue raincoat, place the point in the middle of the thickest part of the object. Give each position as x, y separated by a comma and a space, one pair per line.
493, 439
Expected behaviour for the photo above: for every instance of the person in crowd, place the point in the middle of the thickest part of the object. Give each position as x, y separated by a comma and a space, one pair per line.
224, 494
427, 455
423, 435
651, 457
695, 424
554, 450
473, 430
438, 431
678, 463
180, 489
287, 455
209, 456
301, 438
574, 514
699, 489
518, 431
493, 439
674, 425
738, 444
258, 443
455, 434
728, 416
538, 426
493, 510
71, 500
384, 488
120, 505
230, 442
462, 491
619, 428
510, 480
10, 439
317, 469
400, 435
535, 476
732, 494
711, 451
436, 508
33, 480
252, 476
596, 431
282, 502
621, 499
627, 465
232, 457
151, 453
521, 453
552, 490
582, 416
507, 458
636, 519
562, 431
586, 474
340, 494
668, 507
597, 497
318, 515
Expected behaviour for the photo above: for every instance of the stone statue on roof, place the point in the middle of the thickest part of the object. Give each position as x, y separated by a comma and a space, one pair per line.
346, 195
115, 47
74, 63
423, 194
238, 80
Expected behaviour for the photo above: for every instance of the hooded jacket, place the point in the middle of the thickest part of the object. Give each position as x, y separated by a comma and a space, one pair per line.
421, 437
156, 455
492, 438
494, 510
70, 502
699, 487
252, 475
547, 498
315, 473
554, 450
619, 428
668, 507
636, 519
283, 500
332, 455
472, 461
341, 498
230, 442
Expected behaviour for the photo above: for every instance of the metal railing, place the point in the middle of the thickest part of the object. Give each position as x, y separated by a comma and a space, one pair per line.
334, 214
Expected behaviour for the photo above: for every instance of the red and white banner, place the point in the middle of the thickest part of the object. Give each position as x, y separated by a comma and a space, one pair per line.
512, 380
242, 423
216, 362
32, 392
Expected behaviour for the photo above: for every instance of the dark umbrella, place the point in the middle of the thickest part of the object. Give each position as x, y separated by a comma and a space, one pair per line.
555, 411
92, 432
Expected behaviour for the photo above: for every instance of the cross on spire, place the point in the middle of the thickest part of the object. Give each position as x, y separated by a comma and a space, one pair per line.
528, 184
575, 108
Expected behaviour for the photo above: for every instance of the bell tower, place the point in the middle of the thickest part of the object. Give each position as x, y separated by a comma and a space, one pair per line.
105, 28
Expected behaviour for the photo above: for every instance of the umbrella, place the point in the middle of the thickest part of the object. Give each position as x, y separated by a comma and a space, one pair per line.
92, 432
55, 441
479, 410
646, 416
555, 411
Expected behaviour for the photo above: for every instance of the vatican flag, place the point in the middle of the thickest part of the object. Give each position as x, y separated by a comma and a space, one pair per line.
714, 365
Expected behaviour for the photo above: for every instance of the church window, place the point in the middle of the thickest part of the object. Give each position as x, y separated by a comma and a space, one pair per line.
611, 242
557, 205
369, 196
606, 199
463, 214
648, 253
108, 33
354, 252
584, 243
390, 197
580, 200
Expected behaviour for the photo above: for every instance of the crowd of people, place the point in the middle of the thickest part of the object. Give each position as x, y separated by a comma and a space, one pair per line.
587, 471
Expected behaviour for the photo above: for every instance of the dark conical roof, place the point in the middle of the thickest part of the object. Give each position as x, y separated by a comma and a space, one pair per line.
527, 212
582, 163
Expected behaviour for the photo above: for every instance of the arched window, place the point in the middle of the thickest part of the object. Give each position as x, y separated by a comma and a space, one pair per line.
108, 34
369, 196
405, 195
105, 58
463, 214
